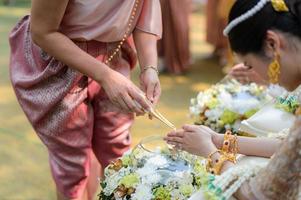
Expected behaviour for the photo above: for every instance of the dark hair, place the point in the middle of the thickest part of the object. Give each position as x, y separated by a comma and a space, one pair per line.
249, 35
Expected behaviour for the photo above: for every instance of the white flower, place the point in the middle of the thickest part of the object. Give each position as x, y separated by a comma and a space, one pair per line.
142, 192
214, 114
112, 184
176, 194
193, 101
181, 178
113, 180
187, 178
157, 160
225, 98
194, 110
146, 170
153, 179
277, 91
243, 105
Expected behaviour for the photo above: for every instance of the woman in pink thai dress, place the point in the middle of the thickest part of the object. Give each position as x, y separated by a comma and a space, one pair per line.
70, 68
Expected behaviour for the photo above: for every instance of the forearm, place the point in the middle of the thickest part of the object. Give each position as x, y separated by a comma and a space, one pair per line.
64, 50
146, 45
262, 147
45, 20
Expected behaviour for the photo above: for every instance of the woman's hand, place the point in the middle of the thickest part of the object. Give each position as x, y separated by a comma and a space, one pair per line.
124, 94
150, 84
245, 74
193, 139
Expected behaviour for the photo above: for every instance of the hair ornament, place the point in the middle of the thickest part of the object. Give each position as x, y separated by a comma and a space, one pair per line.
278, 5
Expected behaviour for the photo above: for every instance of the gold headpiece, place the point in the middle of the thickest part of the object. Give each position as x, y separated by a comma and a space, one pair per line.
279, 5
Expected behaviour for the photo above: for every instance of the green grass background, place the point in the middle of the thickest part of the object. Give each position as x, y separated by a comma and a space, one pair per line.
24, 170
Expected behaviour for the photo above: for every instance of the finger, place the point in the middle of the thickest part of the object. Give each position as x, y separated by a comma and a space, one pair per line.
239, 67
150, 92
172, 133
157, 93
177, 133
122, 105
243, 80
135, 107
190, 128
175, 144
130, 103
240, 73
206, 128
175, 139
141, 100
172, 143
141, 110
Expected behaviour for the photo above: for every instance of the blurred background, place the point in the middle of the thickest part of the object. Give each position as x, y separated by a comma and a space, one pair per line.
193, 55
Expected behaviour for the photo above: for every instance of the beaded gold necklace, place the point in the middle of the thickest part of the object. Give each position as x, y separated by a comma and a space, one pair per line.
126, 34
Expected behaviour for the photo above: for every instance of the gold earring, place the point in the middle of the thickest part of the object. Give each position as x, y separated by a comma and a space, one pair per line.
274, 69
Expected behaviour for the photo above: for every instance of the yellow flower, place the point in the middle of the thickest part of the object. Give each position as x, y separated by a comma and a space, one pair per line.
212, 104
161, 193
229, 117
186, 190
126, 160
129, 180
198, 167
249, 113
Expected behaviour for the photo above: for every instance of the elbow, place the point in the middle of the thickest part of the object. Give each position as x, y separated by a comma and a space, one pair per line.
38, 36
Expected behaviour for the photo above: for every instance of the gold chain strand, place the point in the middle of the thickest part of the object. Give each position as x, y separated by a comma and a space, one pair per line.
127, 33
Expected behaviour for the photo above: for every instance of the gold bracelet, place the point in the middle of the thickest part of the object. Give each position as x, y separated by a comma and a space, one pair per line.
209, 160
149, 67
230, 147
218, 166
212, 153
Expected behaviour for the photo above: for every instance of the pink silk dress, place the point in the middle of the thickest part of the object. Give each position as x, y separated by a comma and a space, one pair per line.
71, 113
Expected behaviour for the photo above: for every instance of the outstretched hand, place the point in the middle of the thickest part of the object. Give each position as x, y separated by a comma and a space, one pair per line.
197, 140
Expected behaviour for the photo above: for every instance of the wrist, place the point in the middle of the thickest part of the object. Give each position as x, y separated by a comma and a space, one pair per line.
218, 140
211, 150
149, 68
102, 74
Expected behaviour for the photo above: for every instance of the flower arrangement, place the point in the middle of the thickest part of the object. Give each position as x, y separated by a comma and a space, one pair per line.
158, 175
223, 106
289, 103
